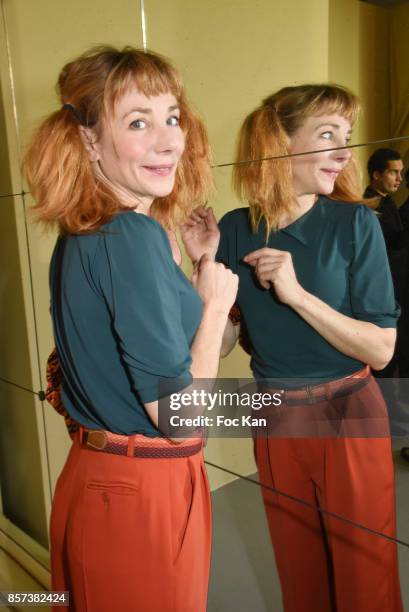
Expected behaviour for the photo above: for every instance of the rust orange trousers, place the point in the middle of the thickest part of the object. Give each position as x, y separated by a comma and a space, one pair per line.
324, 564
131, 534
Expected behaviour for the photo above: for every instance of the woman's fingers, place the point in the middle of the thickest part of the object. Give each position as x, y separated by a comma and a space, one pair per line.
271, 266
215, 283
202, 215
199, 214
268, 273
268, 266
254, 256
211, 221
204, 260
188, 224
196, 217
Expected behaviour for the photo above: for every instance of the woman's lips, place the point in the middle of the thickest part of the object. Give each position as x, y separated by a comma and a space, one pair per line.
164, 170
333, 174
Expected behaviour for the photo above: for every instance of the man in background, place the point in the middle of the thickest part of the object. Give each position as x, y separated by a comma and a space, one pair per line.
385, 168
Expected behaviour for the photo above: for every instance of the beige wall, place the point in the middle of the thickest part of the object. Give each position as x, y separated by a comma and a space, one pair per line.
359, 59
399, 75
399, 50
374, 77
232, 53
344, 42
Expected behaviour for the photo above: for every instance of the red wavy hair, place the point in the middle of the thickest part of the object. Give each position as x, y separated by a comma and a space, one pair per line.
266, 132
57, 166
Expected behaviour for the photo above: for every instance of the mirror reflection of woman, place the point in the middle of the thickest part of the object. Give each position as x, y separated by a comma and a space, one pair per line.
115, 169
315, 308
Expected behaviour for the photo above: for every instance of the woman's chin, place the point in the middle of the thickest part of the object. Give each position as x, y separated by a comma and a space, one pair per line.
327, 188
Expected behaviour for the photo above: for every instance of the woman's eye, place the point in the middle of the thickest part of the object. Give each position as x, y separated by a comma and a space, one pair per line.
174, 120
138, 124
327, 135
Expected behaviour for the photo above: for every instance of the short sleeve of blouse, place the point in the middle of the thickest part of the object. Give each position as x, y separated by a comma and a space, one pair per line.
137, 278
372, 293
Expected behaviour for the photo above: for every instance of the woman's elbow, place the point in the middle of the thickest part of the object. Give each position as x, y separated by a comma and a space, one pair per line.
230, 337
377, 364
385, 353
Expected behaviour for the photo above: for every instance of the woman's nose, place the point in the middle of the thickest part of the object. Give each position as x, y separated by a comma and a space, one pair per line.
343, 153
166, 139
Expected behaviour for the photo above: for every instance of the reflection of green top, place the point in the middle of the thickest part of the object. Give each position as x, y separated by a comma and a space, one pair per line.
124, 316
339, 256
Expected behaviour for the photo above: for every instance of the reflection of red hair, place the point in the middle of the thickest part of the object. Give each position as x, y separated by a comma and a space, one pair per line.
267, 186
57, 166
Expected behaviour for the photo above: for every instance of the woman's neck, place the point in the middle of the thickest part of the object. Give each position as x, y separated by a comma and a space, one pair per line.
302, 205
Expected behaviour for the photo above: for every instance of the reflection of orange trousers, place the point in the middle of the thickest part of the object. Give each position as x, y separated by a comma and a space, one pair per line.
131, 534
325, 564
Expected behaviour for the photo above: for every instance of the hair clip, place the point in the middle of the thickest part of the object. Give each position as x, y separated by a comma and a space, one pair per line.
74, 111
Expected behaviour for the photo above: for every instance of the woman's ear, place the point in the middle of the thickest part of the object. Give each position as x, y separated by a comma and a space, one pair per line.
89, 140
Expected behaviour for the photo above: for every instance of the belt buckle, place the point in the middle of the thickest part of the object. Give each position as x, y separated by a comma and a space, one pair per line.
96, 439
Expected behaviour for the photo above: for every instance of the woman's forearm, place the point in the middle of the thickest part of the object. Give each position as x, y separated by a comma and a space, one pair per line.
205, 353
360, 340
207, 344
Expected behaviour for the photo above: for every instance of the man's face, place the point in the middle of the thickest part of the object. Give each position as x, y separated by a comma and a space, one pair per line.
389, 180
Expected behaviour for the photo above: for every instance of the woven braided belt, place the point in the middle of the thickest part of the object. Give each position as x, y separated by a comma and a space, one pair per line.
138, 446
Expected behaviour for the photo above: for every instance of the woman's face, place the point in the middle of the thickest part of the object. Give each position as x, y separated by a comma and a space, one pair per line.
140, 148
317, 173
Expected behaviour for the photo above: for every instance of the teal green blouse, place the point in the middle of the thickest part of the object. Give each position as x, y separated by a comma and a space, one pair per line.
339, 256
124, 317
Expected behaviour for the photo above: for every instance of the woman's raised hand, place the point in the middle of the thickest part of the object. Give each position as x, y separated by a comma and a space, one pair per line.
274, 267
200, 234
216, 285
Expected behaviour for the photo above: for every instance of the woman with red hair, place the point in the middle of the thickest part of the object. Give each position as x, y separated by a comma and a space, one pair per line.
116, 169
316, 307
